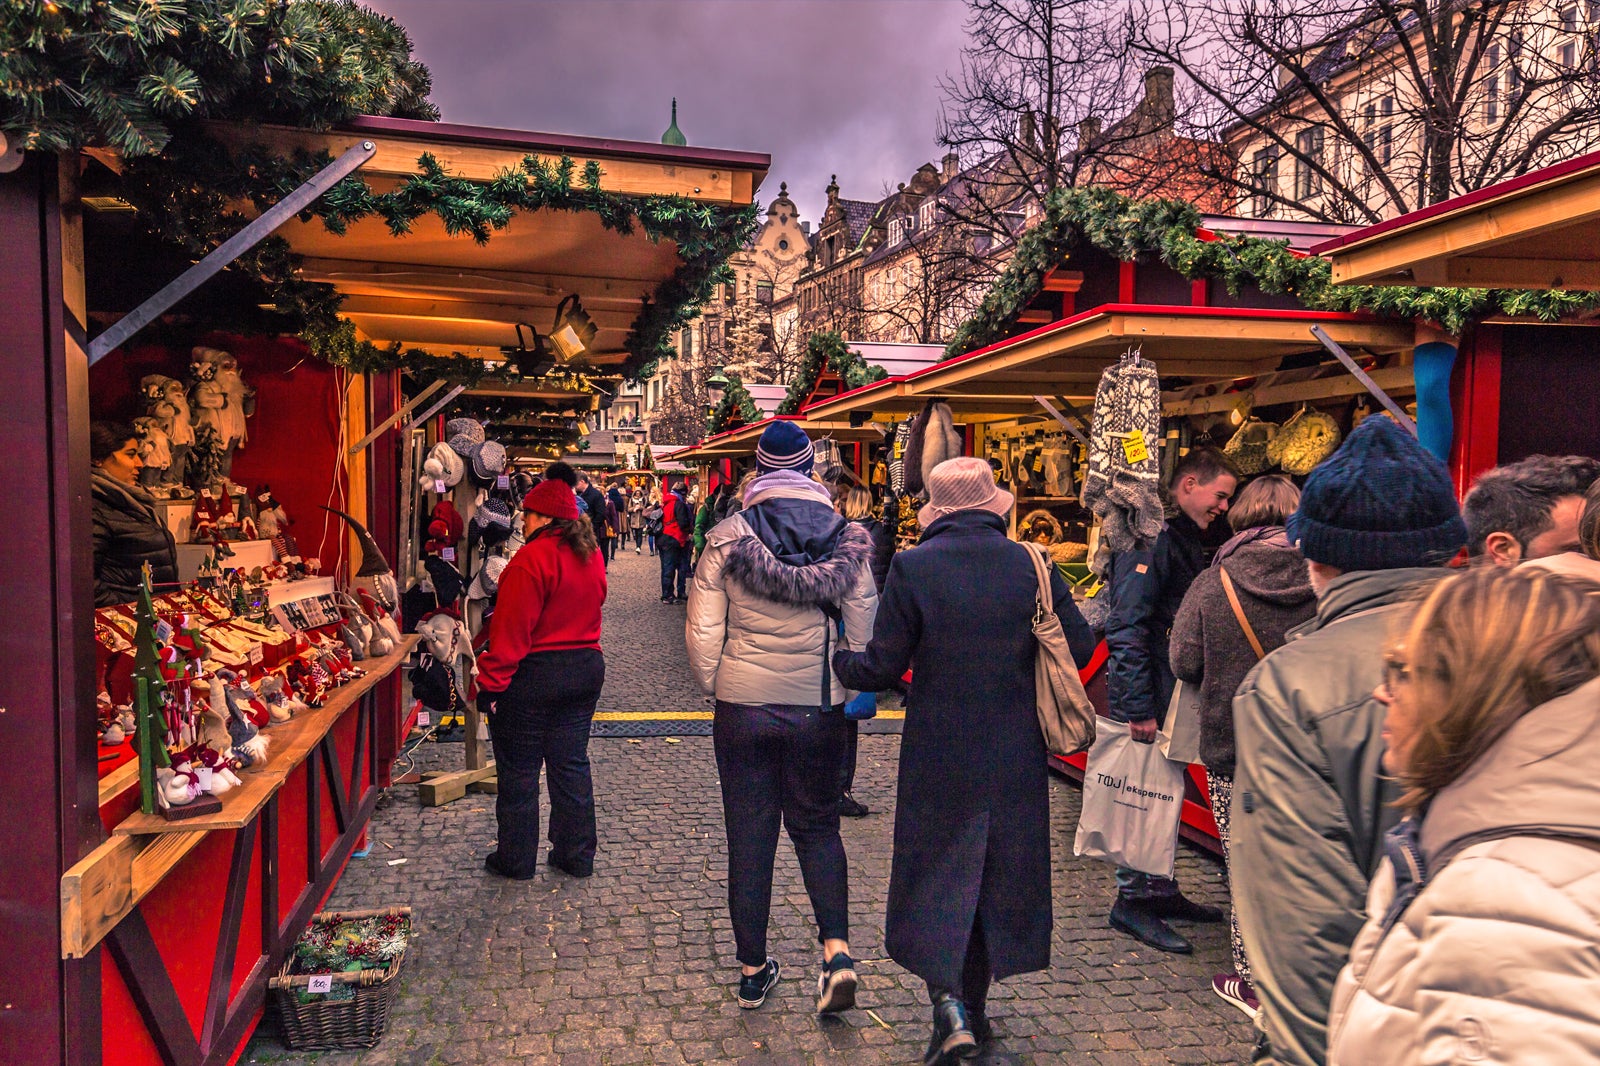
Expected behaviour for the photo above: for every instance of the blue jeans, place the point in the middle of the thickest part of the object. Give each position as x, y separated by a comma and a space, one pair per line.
674, 566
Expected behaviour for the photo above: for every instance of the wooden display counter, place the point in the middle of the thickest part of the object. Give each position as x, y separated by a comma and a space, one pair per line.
197, 914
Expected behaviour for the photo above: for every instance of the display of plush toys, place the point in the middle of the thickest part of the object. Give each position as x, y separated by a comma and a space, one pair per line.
167, 402
273, 522
282, 704
215, 521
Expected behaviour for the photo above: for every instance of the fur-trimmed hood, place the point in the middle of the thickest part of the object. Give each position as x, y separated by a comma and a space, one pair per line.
824, 580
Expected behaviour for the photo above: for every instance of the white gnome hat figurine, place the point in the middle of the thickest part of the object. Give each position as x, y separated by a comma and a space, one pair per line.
167, 401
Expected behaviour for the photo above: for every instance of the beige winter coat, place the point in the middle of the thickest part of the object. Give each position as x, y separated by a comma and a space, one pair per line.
1497, 961
754, 633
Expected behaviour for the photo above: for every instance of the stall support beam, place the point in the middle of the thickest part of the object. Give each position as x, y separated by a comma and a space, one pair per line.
48, 1005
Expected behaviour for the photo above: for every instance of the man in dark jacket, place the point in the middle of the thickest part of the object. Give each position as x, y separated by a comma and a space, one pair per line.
677, 522
1311, 803
1147, 586
594, 503
619, 505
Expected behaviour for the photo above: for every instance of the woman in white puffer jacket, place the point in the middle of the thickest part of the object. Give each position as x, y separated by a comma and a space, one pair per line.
1482, 943
770, 592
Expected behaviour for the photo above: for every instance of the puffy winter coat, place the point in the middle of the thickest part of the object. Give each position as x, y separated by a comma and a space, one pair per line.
1147, 586
676, 518
128, 534
1497, 959
1209, 647
755, 631
1311, 803
882, 549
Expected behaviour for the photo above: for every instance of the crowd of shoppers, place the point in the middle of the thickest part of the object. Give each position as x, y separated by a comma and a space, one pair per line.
1397, 699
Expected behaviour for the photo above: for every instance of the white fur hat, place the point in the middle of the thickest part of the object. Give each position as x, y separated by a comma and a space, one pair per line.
443, 464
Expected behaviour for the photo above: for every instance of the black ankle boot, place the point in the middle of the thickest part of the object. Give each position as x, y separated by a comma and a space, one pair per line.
952, 1038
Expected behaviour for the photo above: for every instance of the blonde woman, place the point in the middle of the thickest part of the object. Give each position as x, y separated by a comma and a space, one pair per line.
1482, 942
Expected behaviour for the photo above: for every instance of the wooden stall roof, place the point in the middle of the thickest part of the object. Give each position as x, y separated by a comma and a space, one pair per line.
1066, 358
741, 442
1538, 231
436, 292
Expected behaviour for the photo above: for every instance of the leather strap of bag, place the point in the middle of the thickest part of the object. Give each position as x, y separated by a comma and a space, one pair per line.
1046, 599
1238, 612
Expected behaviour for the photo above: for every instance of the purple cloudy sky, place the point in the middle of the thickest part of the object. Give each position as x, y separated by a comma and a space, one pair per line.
825, 86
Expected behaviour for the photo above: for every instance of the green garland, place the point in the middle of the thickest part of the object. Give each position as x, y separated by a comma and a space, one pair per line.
1133, 230
736, 402
184, 197
75, 73
828, 350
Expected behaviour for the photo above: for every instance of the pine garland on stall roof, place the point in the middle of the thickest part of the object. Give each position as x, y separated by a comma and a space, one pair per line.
828, 351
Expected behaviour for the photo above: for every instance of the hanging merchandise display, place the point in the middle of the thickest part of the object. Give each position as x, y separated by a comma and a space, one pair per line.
1305, 440
1122, 486
1250, 449
933, 439
897, 456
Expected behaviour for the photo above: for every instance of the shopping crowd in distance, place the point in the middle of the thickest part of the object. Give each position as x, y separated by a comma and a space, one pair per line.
1400, 736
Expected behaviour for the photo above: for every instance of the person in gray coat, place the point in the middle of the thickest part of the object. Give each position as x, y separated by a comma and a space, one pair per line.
1212, 650
969, 887
1376, 522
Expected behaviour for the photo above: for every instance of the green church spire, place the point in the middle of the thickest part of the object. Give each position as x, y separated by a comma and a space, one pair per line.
674, 136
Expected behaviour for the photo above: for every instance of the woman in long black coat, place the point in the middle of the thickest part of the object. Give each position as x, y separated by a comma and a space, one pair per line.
969, 889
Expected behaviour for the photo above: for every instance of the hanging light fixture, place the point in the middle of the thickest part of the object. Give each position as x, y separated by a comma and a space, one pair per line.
574, 331
531, 358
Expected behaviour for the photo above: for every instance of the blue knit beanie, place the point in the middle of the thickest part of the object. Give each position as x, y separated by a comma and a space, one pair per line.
1381, 502
784, 446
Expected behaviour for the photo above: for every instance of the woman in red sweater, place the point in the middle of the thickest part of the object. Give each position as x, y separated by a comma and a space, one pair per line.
538, 684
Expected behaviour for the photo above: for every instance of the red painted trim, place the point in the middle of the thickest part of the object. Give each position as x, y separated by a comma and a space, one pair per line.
1127, 274
1475, 403
1560, 172
1200, 292
555, 143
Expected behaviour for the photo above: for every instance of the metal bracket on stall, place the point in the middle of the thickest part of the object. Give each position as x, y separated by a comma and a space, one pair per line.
394, 419
1059, 417
429, 413
1362, 376
229, 250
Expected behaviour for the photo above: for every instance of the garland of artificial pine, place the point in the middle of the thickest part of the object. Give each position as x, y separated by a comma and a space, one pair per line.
76, 73
828, 350
736, 401
1165, 229
184, 197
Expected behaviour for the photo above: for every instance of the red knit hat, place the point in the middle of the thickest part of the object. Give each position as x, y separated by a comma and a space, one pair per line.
553, 498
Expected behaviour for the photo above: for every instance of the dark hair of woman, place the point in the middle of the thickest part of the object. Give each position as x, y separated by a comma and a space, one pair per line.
578, 534
107, 438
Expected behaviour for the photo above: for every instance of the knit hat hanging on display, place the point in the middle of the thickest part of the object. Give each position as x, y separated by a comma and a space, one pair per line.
487, 581
443, 466
1381, 502
487, 460
470, 428
1123, 484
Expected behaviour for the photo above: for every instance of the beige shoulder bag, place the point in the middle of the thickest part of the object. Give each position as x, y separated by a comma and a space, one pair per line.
1066, 717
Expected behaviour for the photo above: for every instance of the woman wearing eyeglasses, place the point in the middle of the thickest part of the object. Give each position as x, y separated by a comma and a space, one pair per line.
1482, 941
538, 684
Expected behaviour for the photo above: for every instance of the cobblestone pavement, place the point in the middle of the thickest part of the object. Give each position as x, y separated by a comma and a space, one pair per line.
635, 965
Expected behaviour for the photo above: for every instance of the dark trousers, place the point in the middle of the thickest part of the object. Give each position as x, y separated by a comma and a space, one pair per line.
976, 975
543, 720
674, 568
608, 548
852, 739
638, 537
780, 763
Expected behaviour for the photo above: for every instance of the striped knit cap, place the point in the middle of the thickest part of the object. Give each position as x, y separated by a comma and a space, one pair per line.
784, 446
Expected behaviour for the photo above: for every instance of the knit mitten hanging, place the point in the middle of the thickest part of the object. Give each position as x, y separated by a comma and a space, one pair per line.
897, 457
1124, 467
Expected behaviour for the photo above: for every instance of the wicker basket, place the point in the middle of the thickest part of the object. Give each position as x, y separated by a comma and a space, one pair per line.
345, 1023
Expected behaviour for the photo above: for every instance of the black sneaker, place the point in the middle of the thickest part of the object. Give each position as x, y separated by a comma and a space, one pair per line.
836, 985
952, 1038
753, 988
850, 807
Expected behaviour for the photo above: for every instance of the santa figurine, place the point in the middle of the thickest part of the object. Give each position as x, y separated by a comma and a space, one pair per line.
167, 401
155, 450
273, 524
225, 401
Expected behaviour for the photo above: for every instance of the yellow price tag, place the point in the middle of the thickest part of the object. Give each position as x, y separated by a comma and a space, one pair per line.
1133, 447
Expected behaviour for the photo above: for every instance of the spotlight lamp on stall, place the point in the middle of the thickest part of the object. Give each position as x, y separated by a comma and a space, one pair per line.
574, 331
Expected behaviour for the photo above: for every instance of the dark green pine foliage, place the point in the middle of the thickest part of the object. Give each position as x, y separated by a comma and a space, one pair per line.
736, 401
828, 351
1164, 231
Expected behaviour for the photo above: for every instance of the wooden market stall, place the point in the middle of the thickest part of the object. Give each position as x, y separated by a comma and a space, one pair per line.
1518, 387
1043, 382
137, 942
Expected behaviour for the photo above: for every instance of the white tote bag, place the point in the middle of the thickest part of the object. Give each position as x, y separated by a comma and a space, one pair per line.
1132, 800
